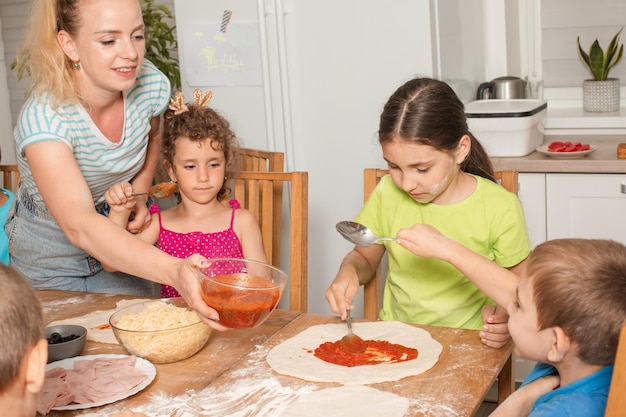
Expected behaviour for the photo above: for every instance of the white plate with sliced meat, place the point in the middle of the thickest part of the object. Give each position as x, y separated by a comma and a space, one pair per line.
142, 366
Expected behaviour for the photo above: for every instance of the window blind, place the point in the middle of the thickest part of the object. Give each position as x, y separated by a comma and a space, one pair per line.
562, 21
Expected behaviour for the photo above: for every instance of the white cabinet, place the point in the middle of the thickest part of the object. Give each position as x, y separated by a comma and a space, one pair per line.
532, 194
568, 205
591, 206
586, 206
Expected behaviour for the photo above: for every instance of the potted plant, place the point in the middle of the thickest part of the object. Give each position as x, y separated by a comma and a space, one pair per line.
161, 41
601, 93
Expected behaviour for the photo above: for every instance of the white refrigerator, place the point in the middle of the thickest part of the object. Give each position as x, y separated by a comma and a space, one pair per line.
309, 78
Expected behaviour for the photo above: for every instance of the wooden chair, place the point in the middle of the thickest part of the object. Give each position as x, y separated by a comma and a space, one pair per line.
373, 290
10, 177
616, 403
256, 191
247, 159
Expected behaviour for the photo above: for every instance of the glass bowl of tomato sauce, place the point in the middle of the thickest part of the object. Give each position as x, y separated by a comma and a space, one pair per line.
242, 291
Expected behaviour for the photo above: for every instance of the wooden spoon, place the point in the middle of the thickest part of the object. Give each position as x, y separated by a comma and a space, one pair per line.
161, 190
351, 343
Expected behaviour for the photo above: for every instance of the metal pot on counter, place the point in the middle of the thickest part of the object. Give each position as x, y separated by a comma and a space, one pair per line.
503, 88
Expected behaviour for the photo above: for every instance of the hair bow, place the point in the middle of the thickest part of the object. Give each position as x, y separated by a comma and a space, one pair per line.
177, 103
201, 99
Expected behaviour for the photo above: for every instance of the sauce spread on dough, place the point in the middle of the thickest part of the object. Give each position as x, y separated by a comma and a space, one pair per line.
376, 352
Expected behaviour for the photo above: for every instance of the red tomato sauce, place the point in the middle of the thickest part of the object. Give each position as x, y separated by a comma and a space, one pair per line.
240, 308
375, 352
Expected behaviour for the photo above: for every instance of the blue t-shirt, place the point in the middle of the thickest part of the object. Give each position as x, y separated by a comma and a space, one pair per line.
585, 397
4, 214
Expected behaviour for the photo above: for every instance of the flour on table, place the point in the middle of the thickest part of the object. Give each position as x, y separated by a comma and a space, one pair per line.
256, 397
294, 357
97, 322
348, 401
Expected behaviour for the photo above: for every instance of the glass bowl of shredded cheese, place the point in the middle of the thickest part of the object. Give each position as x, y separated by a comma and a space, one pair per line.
160, 331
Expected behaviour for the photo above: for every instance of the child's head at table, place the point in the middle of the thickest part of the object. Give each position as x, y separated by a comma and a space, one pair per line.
194, 134
573, 288
425, 111
24, 350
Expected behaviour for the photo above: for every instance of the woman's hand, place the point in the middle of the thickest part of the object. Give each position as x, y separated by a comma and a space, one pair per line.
187, 283
495, 331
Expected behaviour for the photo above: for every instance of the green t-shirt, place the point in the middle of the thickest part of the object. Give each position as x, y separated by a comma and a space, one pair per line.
430, 291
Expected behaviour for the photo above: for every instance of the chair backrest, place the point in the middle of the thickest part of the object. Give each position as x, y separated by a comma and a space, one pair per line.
247, 159
10, 177
616, 403
257, 192
373, 290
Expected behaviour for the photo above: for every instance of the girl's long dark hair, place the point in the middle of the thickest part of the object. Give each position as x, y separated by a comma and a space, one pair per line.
428, 111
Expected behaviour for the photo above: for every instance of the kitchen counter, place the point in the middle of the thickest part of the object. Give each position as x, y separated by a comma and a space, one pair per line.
602, 161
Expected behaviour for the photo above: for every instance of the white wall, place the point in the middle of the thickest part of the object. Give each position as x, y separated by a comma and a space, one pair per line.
7, 145
562, 22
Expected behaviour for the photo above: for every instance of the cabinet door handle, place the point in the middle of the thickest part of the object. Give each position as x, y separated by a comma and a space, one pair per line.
623, 188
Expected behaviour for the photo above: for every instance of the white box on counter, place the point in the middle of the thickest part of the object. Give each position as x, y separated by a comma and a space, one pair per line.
507, 127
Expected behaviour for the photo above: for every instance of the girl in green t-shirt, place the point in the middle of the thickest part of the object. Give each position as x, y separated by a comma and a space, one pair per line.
439, 174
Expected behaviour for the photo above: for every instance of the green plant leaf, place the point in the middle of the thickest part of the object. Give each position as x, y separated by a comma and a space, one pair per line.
613, 55
596, 59
584, 56
161, 40
599, 62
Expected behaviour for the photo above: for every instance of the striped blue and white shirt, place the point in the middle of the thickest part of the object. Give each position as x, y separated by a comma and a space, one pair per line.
102, 162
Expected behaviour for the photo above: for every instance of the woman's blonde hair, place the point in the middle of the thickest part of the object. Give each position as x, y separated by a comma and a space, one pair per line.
40, 56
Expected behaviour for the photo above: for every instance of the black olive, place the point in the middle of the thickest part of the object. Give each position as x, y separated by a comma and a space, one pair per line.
55, 338
70, 337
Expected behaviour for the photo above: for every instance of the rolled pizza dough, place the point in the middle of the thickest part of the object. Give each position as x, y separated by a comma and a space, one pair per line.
350, 401
294, 357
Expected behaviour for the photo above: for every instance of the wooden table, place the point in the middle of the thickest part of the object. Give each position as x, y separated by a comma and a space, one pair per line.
229, 376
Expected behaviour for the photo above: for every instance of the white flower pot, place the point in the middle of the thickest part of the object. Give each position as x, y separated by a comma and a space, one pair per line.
601, 96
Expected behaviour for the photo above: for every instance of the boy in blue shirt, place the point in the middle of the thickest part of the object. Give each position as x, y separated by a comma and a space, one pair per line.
566, 311
24, 350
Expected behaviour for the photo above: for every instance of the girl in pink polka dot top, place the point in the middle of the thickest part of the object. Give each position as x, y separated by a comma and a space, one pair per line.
197, 152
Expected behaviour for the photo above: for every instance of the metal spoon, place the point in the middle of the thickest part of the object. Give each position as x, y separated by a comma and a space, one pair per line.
351, 343
161, 190
358, 234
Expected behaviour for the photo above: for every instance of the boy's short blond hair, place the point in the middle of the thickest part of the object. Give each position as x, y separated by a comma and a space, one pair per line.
21, 323
580, 286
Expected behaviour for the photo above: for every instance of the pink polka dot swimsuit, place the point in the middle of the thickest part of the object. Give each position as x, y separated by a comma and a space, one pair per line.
224, 244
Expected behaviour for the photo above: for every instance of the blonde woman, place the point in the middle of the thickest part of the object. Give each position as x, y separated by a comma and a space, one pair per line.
92, 120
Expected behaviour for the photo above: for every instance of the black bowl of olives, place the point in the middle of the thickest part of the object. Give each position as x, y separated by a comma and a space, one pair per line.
65, 341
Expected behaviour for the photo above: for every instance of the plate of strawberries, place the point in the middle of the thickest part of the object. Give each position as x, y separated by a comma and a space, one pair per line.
566, 150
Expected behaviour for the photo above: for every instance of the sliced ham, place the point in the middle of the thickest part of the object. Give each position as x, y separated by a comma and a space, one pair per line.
54, 392
89, 381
